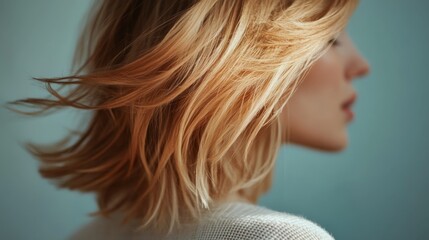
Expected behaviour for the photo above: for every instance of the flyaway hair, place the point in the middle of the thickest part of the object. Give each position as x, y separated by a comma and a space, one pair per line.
185, 98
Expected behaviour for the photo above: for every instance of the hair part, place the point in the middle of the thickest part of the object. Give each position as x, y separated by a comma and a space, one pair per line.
185, 97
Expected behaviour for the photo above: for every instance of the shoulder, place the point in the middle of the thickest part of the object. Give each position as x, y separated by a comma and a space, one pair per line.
106, 228
229, 221
247, 221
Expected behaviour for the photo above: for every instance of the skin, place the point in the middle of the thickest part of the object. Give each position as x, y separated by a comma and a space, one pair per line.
314, 116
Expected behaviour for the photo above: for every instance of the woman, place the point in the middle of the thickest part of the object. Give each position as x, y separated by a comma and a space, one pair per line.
191, 100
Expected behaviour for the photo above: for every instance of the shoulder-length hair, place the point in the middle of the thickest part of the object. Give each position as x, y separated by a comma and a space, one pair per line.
185, 99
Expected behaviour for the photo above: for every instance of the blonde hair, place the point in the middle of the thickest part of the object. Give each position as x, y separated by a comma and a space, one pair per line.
186, 97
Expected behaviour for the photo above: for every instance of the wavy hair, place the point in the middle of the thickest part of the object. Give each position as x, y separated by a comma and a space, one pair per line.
184, 98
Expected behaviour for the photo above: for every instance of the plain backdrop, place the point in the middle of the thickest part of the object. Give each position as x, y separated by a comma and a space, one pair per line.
378, 188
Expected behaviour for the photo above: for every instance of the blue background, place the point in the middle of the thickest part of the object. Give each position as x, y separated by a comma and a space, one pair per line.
378, 188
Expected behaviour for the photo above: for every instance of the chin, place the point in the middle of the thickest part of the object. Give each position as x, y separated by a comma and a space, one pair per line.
334, 147
334, 144
331, 145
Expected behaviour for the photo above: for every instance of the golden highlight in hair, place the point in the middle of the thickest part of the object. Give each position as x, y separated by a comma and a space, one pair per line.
185, 97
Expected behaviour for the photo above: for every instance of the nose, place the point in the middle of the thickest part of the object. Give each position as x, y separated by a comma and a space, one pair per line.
362, 66
358, 66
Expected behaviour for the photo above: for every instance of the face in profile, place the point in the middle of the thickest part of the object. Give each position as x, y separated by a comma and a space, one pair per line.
318, 113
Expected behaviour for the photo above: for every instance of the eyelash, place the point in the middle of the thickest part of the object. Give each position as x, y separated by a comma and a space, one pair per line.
334, 42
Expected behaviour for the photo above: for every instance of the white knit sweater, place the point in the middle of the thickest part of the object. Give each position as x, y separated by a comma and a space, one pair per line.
230, 221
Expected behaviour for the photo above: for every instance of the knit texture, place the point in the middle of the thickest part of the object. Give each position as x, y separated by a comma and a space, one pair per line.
230, 221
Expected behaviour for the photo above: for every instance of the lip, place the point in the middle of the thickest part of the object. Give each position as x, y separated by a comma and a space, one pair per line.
346, 106
350, 101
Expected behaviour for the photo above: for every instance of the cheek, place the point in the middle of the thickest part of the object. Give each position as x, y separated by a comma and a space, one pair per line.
313, 115
325, 74
321, 89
